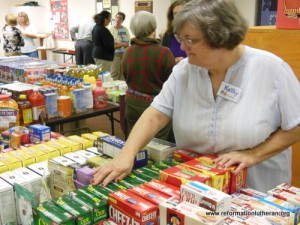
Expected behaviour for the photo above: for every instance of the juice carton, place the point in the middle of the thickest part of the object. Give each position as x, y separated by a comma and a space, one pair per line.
39, 155
95, 205
75, 146
205, 196
48, 213
168, 189
185, 213
149, 194
85, 142
62, 147
127, 208
8, 207
160, 150
25, 158
185, 155
38, 132
10, 161
178, 175
51, 151
81, 213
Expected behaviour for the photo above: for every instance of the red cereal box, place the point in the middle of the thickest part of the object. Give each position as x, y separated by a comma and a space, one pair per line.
185, 155
149, 194
178, 175
164, 187
126, 208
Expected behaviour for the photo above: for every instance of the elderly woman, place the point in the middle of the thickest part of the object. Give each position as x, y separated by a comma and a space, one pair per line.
146, 65
225, 98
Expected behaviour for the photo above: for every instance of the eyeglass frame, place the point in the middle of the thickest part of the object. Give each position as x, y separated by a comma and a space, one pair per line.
186, 41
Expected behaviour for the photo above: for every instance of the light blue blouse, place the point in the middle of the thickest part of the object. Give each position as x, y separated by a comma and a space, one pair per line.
269, 99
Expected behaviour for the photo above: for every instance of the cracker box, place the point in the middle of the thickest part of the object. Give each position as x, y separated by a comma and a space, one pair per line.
111, 146
220, 178
98, 161
8, 211
185, 155
178, 175
282, 194
289, 188
205, 196
62, 147
81, 213
288, 14
10, 161
85, 142
168, 189
185, 213
99, 191
149, 194
134, 179
91, 137
97, 206
75, 146
160, 150
39, 155
148, 172
51, 151
75, 157
94, 150
38, 132
253, 193
48, 213
25, 158
125, 207
141, 176
108, 222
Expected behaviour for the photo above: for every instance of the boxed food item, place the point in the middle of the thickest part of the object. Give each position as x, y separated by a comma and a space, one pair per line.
75, 146
178, 175
8, 211
253, 193
99, 191
85, 142
3, 167
205, 196
185, 155
285, 195
185, 213
98, 161
168, 189
127, 208
160, 150
289, 188
10, 161
75, 157
62, 147
39, 155
91, 137
38, 132
25, 158
84, 175
51, 151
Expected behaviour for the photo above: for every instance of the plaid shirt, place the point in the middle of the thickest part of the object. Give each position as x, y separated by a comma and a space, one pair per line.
147, 65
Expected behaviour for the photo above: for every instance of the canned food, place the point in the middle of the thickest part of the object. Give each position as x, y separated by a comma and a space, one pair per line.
64, 106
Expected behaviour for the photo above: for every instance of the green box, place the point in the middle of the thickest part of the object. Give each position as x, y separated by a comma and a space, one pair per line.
82, 213
99, 191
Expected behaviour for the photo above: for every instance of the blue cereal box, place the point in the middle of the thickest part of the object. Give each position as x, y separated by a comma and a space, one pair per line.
38, 132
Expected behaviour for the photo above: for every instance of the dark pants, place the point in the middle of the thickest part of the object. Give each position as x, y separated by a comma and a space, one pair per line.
84, 49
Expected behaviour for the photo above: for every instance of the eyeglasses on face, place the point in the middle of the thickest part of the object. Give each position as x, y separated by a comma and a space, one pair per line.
186, 41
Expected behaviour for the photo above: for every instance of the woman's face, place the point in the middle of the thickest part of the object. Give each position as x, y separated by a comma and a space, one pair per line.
198, 51
21, 19
107, 21
176, 9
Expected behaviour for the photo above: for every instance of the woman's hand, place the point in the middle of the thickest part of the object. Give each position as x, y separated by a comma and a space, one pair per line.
244, 159
116, 170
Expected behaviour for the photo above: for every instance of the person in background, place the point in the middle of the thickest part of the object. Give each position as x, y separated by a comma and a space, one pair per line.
168, 39
29, 35
120, 34
12, 38
104, 44
82, 34
225, 98
146, 66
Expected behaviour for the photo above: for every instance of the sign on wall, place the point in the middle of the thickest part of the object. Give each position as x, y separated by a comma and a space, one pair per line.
109, 5
144, 5
59, 17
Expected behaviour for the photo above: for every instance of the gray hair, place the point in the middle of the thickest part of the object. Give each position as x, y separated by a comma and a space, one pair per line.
142, 24
219, 20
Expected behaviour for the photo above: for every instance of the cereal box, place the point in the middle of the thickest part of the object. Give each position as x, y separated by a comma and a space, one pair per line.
168, 189
204, 196
128, 208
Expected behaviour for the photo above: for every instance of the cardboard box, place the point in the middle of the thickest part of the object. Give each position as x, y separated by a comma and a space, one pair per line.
288, 14
39, 155
38, 132
8, 207
160, 150
10, 161
165, 188
25, 158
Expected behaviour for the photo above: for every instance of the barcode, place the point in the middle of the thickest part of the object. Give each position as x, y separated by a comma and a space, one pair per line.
141, 156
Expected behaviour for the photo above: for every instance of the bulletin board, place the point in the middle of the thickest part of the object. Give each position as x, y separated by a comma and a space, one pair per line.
109, 5
59, 17
144, 5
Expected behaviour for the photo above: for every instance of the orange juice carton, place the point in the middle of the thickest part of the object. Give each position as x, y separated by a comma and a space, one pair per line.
160, 150
8, 207
38, 132
75, 146
62, 147
205, 196
178, 175
253, 193
289, 188
237, 181
10, 161
285, 195
124, 207
220, 178
184, 155
111, 146
91, 137
25, 158
3, 167
168, 189
33, 179
51, 151
85, 142
75, 157
185, 213
149, 194
39, 155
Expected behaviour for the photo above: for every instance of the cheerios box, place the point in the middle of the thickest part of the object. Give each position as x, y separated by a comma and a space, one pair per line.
185, 213
127, 208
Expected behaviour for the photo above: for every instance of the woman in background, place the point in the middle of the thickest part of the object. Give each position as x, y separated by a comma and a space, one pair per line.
12, 38
28, 34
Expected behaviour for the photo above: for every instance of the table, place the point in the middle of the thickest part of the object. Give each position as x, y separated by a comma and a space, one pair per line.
109, 110
64, 53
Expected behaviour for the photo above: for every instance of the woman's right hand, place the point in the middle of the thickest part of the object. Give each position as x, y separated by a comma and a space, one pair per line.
116, 170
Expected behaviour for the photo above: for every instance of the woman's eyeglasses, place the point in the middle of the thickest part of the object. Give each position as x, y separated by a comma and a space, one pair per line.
186, 41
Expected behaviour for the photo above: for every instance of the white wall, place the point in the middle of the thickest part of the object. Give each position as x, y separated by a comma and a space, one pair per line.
248, 9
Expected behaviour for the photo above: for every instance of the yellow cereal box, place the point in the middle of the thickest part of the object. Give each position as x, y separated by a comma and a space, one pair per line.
25, 158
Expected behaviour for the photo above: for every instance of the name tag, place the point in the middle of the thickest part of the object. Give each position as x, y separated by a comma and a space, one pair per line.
229, 92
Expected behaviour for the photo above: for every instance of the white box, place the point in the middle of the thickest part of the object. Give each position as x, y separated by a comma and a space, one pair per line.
7, 204
160, 150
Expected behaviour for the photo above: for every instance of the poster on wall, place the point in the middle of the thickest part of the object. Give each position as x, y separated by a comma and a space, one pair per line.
288, 16
267, 12
109, 5
59, 17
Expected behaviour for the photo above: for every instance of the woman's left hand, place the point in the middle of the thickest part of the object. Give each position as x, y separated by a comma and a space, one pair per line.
243, 159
